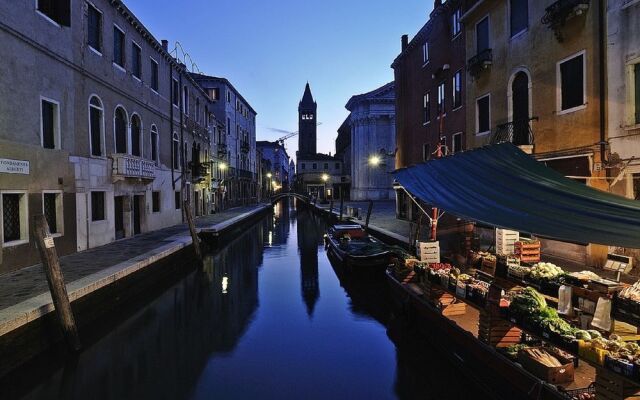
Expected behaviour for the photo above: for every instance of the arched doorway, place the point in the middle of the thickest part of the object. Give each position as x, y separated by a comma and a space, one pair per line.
520, 109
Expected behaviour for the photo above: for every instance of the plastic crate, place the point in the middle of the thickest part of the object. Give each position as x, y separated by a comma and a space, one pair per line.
572, 394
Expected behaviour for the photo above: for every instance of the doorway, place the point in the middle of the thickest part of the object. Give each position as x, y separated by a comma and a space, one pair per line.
118, 205
138, 202
520, 106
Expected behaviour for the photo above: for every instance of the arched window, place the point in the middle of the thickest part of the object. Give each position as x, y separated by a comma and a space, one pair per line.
120, 130
185, 158
154, 143
185, 100
519, 103
136, 131
206, 115
197, 118
96, 126
176, 151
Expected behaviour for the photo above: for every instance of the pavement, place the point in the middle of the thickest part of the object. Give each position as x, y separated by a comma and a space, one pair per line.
24, 294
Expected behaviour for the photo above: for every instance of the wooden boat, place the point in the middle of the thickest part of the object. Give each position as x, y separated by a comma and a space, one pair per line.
487, 367
356, 249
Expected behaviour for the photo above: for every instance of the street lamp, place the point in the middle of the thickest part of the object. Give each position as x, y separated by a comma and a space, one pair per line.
374, 160
325, 177
269, 175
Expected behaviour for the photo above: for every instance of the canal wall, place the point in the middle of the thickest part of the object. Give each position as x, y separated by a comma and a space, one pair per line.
30, 327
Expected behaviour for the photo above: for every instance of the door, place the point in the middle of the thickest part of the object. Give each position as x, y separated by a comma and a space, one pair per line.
137, 204
520, 100
119, 216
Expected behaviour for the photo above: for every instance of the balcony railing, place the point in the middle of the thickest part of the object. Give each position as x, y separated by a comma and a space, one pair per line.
244, 146
198, 130
480, 62
519, 133
557, 14
222, 150
127, 166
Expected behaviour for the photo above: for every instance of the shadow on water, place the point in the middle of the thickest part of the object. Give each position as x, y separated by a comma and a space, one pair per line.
254, 323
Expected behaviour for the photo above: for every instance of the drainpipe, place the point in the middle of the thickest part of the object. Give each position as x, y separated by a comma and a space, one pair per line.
182, 147
602, 72
173, 180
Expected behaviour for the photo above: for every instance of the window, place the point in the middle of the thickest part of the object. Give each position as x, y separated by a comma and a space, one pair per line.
337, 165
636, 74
96, 126
426, 152
457, 89
120, 125
326, 165
94, 28
185, 100
572, 82
519, 16
314, 166
482, 35
197, 116
154, 143
136, 60
229, 126
456, 145
154, 75
304, 166
176, 152
155, 202
426, 108
176, 92
176, 199
456, 25
118, 46
52, 210
441, 98
228, 97
136, 131
214, 94
14, 217
97, 206
483, 114
58, 11
425, 52
50, 123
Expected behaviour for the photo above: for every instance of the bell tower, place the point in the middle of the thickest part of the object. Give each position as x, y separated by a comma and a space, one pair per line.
307, 124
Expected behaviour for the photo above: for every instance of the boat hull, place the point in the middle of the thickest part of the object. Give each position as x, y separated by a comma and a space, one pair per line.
374, 263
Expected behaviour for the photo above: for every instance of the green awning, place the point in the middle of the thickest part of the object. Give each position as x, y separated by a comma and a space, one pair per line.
502, 186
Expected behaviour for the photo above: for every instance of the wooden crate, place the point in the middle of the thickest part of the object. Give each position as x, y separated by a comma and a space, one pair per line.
489, 266
496, 331
611, 386
527, 251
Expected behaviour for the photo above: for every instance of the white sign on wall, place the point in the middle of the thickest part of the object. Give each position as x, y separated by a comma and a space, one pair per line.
9, 166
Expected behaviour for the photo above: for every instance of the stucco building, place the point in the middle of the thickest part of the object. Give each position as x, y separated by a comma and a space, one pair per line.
372, 143
279, 161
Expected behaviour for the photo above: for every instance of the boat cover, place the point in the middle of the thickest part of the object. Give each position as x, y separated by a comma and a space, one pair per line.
502, 186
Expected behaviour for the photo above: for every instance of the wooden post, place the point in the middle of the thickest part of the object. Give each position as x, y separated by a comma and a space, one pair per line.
366, 224
341, 203
58, 290
192, 228
330, 209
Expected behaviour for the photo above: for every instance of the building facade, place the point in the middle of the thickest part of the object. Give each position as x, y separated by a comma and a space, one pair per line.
373, 143
430, 81
343, 152
107, 139
623, 95
239, 119
279, 161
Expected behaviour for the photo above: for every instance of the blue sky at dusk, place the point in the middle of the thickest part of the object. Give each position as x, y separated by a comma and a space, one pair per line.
269, 49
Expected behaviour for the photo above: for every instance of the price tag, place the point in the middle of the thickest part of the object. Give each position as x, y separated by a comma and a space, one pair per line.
48, 242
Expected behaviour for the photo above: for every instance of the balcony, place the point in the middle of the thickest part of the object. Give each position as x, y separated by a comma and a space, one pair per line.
480, 62
243, 174
222, 150
194, 127
244, 146
199, 171
127, 166
519, 133
558, 13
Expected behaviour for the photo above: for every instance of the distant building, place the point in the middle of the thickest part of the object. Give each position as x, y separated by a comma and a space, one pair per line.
372, 143
430, 79
343, 152
623, 91
239, 118
318, 175
278, 159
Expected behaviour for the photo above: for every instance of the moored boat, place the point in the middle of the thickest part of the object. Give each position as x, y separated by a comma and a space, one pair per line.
356, 249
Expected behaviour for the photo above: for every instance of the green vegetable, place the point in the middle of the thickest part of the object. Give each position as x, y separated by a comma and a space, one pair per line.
584, 335
594, 334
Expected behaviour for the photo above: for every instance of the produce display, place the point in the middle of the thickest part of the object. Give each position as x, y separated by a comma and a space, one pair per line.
543, 357
631, 292
518, 271
531, 307
544, 270
584, 275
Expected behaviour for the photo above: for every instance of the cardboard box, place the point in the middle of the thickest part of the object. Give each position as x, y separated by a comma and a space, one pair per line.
554, 375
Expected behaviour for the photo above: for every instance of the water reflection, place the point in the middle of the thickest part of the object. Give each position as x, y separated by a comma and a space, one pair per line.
310, 228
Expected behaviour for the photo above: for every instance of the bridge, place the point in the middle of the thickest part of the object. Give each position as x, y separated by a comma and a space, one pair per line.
279, 196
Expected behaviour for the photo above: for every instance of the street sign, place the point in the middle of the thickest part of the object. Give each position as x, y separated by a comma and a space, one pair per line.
9, 166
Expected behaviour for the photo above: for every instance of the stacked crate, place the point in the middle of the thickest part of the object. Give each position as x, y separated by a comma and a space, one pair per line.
528, 251
505, 241
495, 331
612, 386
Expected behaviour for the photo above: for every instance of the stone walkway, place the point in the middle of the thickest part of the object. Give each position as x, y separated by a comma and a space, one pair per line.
23, 284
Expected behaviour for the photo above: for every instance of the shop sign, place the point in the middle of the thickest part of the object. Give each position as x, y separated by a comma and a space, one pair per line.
8, 166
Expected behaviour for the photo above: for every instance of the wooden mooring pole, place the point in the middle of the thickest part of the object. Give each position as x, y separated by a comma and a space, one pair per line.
341, 203
330, 209
366, 224
58, 290
192, 229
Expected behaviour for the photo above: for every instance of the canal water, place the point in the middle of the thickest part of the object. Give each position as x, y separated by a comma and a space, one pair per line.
266, 318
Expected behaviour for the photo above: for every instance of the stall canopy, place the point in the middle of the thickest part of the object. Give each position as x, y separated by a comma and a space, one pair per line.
502, 186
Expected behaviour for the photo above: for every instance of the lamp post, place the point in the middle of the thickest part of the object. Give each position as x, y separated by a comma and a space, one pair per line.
269, 175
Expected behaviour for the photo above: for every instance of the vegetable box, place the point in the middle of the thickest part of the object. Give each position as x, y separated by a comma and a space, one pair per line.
620, 366
554, 375
590, 353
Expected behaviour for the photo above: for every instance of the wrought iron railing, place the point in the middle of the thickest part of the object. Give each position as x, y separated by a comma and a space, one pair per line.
518, 132
557, 14
198, 130
244, 146
222, 150
480, 62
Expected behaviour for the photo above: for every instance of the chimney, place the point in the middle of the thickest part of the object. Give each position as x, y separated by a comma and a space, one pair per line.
405, 42
165, 45
437, 3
